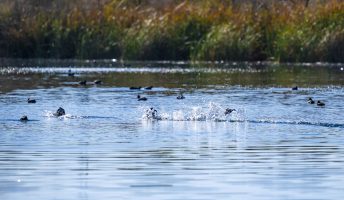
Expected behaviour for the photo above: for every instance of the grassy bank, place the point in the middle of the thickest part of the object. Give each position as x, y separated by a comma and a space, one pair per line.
178, 30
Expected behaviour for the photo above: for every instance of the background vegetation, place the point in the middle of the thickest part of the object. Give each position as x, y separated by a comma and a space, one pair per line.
251, 30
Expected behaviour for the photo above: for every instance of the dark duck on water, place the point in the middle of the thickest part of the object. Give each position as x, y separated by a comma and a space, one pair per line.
310, 101
180, 96
60, 112
97, 82
152, 114
31, 100
84, 82
139, 98
24, 118
148, 88
229, 111
70, 73
319, 103
135, 88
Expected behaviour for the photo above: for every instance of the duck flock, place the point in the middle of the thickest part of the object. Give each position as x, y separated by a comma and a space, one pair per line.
151, 113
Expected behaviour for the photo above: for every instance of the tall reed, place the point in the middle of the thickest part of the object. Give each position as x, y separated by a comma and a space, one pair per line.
179, 30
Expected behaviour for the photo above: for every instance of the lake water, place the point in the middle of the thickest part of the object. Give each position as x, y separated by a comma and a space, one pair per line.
107, 146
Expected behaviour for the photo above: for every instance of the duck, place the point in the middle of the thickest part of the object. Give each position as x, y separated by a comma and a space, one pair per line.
139, 98
310, 100
83, 82
294, 88
24, 118
31, 100
97, 82
319, 103
180, 96
148, 88
152, 114
70, 73
60, 112
135, 88
229, 111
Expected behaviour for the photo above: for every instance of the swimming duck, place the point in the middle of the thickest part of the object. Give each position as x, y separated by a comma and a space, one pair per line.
97, 82
70, 73
31, 100
24, 118
229, 111
83, 82
310, 101
294, 88
139, 98
319, 103
135, 88
180, 96
152, 114
149, 88
60, 112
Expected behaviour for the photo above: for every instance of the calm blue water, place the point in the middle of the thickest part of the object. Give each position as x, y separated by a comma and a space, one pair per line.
274, 146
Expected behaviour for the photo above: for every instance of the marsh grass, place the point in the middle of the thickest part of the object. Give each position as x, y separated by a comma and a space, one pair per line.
181, 30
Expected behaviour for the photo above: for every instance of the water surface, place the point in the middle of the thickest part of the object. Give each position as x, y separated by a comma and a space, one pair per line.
274, 146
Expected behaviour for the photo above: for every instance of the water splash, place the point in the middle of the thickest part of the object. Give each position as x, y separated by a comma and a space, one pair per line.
50, 114
215, 112
212, 112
